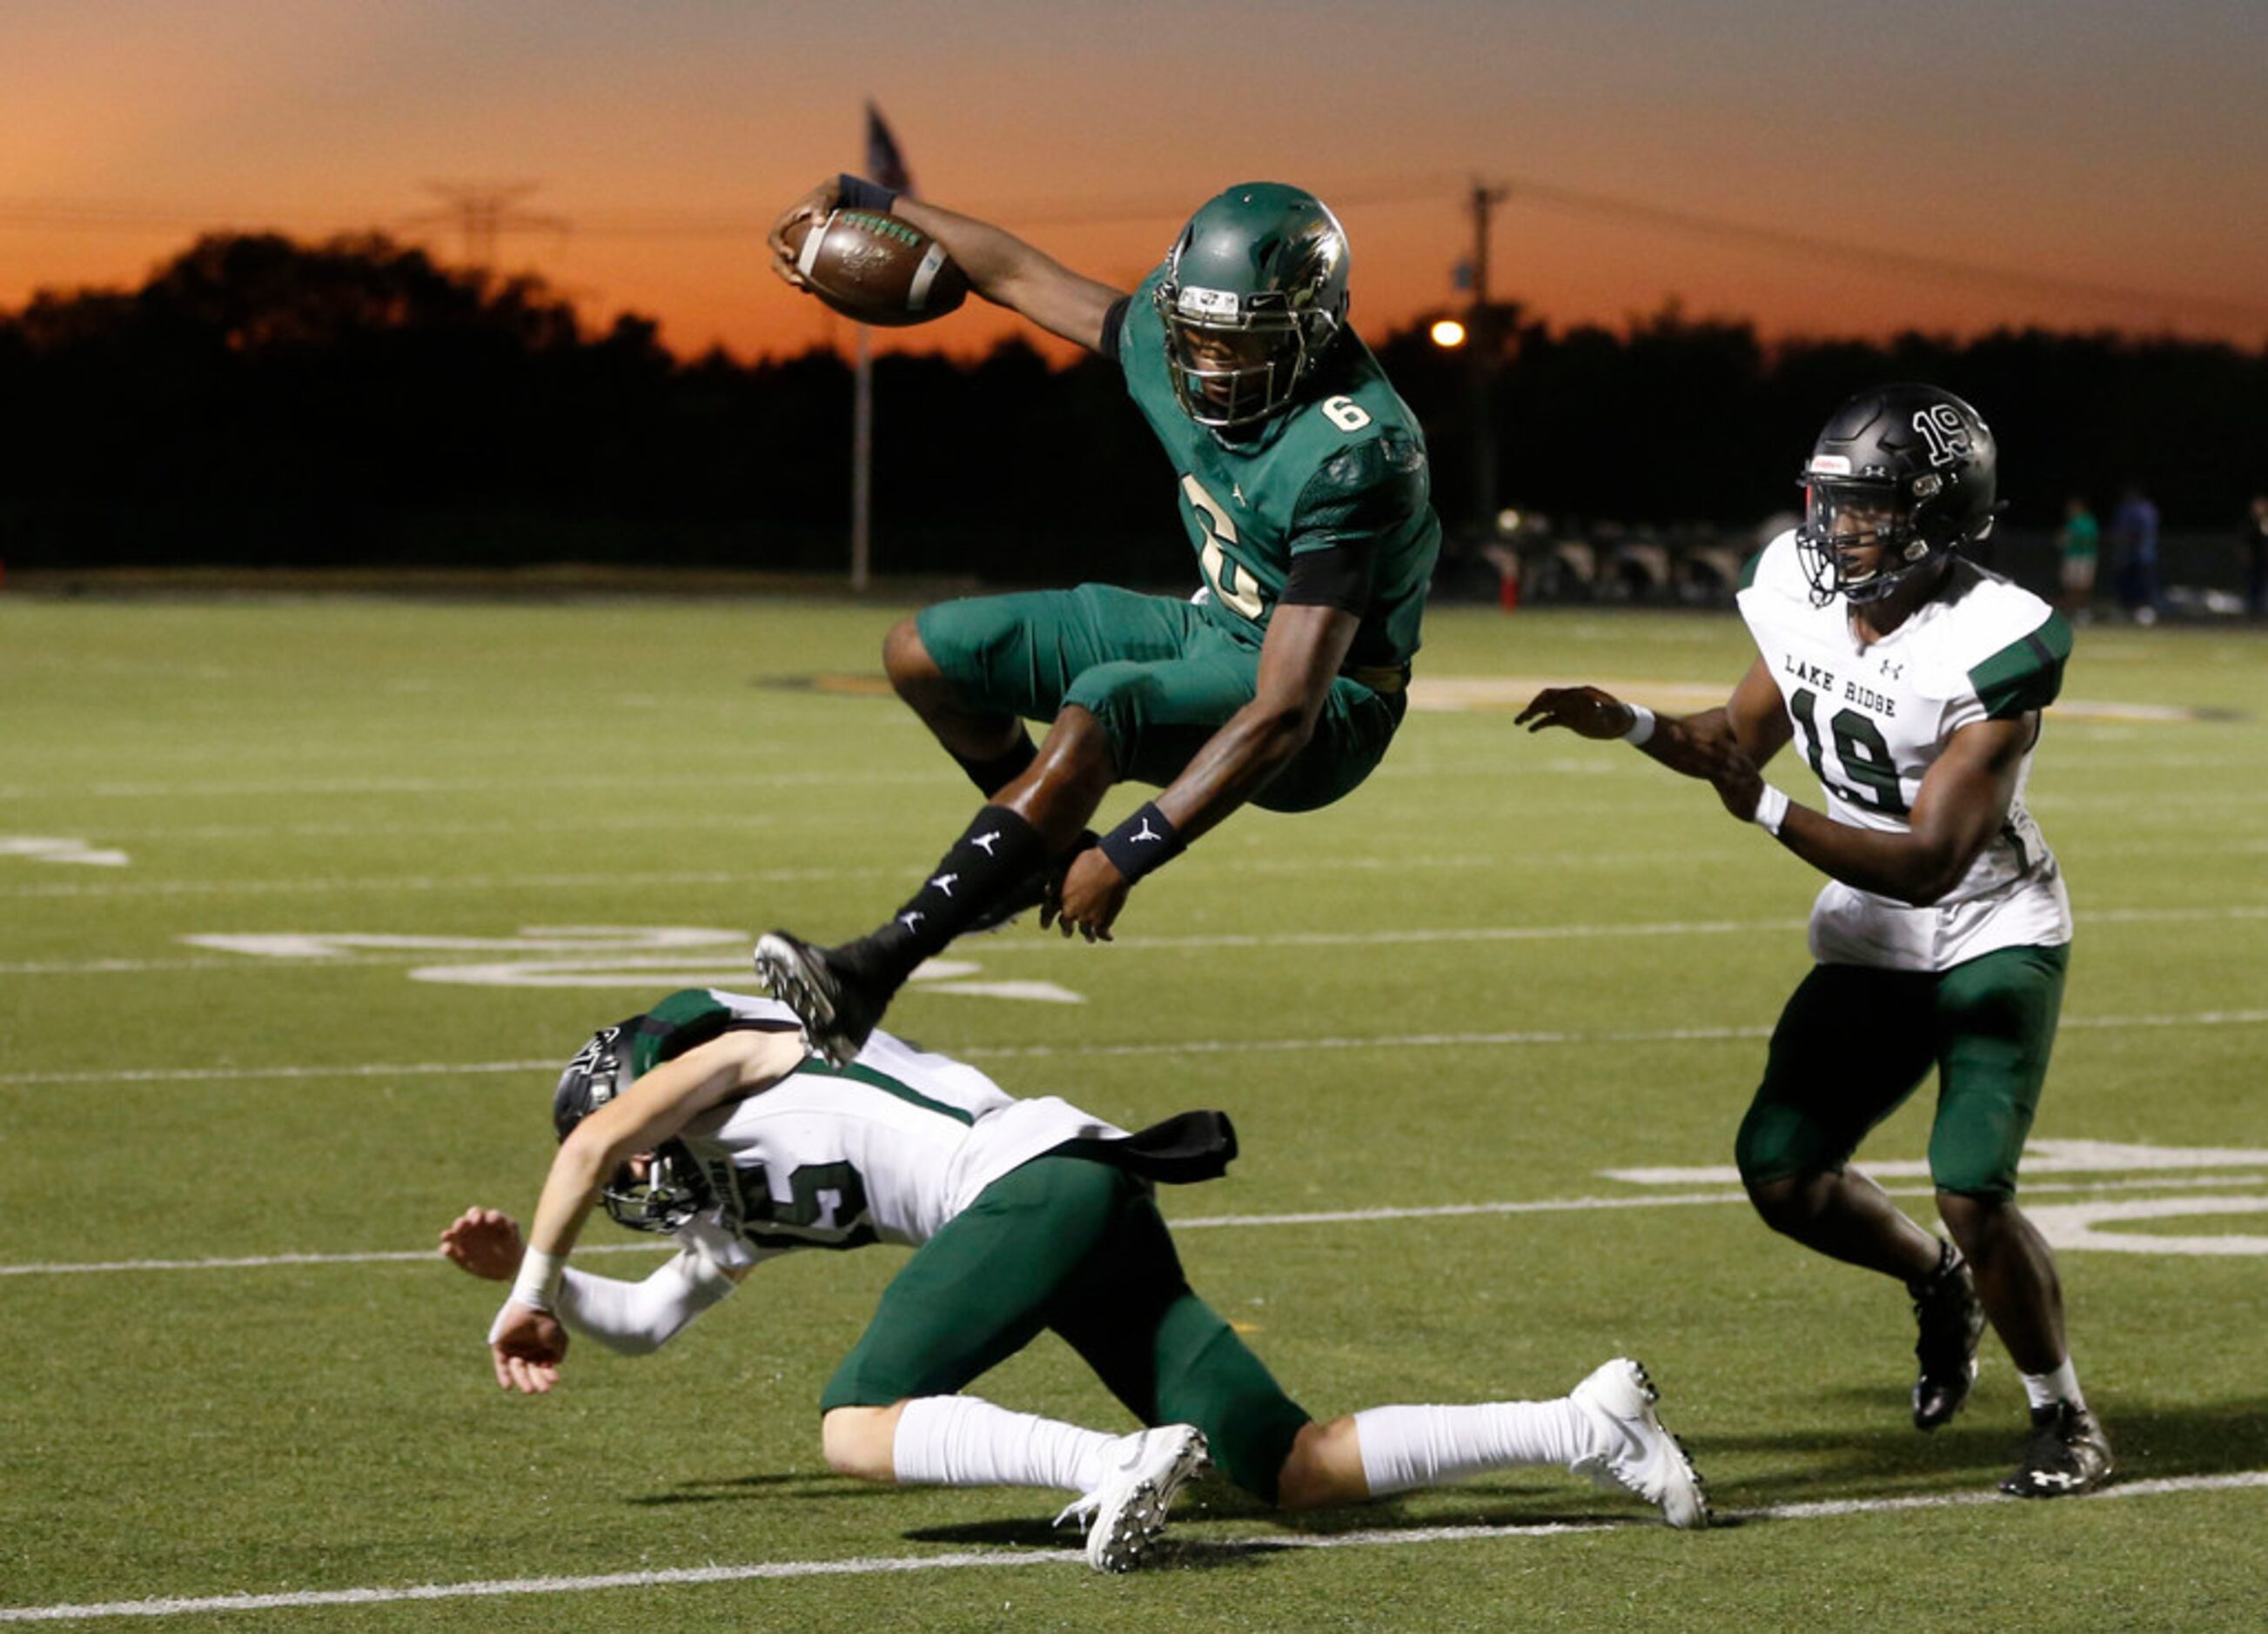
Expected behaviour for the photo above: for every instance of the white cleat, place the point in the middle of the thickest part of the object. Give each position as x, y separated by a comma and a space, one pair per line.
1125, 1514
1635, 1453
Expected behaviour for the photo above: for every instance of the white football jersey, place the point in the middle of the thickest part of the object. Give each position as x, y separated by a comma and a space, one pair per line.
1872, 720
885, 1149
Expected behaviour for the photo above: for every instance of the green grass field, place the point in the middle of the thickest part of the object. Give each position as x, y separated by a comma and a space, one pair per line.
449, 840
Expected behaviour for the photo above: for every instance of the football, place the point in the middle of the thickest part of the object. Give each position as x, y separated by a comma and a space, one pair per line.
876, 267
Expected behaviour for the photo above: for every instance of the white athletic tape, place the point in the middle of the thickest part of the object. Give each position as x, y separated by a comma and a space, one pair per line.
924, 274
811, 240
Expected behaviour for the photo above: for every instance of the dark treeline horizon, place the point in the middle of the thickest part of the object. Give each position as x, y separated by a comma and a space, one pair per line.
259, 401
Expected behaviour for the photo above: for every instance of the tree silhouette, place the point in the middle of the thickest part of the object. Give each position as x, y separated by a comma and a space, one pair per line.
262, 401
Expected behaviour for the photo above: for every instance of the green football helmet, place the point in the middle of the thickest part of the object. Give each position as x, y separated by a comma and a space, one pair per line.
1254, 292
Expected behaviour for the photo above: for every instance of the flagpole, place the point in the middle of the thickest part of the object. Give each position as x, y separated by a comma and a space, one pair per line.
862, 462
888, 167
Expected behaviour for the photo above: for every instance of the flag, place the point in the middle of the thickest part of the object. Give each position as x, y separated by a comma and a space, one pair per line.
884, 163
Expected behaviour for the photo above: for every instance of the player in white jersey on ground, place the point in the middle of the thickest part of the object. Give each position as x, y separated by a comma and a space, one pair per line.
1913, 681
705, 1119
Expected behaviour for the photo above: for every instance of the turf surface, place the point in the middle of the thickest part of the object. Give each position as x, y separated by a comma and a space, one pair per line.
457, 833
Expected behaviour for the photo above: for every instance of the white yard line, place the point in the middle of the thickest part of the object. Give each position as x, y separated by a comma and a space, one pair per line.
1174, 1047
997, 945
1201, 1222
440, 882
206, 1075
578, 781
990, 1559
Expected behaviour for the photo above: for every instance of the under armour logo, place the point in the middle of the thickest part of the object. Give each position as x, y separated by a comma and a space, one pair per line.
1236, 492
910, 918
944, 882
1145, 832
1893, 671
986, 841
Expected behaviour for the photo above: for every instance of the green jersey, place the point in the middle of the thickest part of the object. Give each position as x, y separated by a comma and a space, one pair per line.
1343, 470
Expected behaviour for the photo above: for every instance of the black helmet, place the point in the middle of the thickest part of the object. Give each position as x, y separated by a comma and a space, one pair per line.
1918, 464
1263, 270
674, 1189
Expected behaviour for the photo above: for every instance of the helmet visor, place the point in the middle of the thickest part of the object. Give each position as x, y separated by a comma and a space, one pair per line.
1850, 514
1857, 524
1230, 368
1854, 532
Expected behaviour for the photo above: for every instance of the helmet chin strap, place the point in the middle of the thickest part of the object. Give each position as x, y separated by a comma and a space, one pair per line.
1883, 584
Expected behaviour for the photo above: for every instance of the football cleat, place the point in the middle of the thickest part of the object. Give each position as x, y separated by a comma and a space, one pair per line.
2068, 1454
839, 1011
1124, 1515
1950, 1319
1634, 1452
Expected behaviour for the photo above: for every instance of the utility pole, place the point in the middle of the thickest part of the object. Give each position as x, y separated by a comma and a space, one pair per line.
481, 210
862, 463
1482, 347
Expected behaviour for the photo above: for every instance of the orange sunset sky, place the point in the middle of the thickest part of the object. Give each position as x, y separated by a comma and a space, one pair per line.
2074, 163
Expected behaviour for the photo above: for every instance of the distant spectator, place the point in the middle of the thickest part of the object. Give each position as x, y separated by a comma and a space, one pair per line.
2078, 545
2134, 531
2256, 553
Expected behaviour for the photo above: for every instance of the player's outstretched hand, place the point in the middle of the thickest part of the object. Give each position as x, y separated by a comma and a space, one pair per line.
817, 204
1092, 893
527, 1346
1585, 712
485, 1243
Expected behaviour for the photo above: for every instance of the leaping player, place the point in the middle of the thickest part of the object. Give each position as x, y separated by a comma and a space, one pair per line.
1302, 482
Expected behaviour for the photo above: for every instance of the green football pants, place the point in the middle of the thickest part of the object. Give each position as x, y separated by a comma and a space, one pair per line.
1077, 1247
1855, 1041
1159, 676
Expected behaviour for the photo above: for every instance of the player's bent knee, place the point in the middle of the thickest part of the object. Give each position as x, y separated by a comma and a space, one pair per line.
1323, 1469
1078, 746
861, 1441
1786, 1202
906, 660
1974, 1216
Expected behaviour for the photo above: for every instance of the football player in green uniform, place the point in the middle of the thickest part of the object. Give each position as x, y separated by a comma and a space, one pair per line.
705, 1119
1913, 680
1303, 485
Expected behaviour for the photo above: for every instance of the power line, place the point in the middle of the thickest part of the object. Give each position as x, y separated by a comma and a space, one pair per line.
1944, 269
481, 212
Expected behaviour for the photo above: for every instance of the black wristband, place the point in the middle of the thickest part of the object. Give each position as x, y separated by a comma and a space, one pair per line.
1143, 843
857, 193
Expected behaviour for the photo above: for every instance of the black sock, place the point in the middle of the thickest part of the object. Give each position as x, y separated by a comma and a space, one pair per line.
996, 774
998, 852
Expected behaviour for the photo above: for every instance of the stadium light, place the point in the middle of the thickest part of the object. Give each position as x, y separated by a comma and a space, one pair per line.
1448, 334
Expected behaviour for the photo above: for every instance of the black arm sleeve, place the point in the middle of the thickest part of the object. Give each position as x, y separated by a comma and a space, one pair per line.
1337, 575
1113, 321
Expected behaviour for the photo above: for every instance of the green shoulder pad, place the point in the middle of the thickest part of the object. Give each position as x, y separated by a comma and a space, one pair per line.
1373, 487
689, 1017
1748, 570
2025, 675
